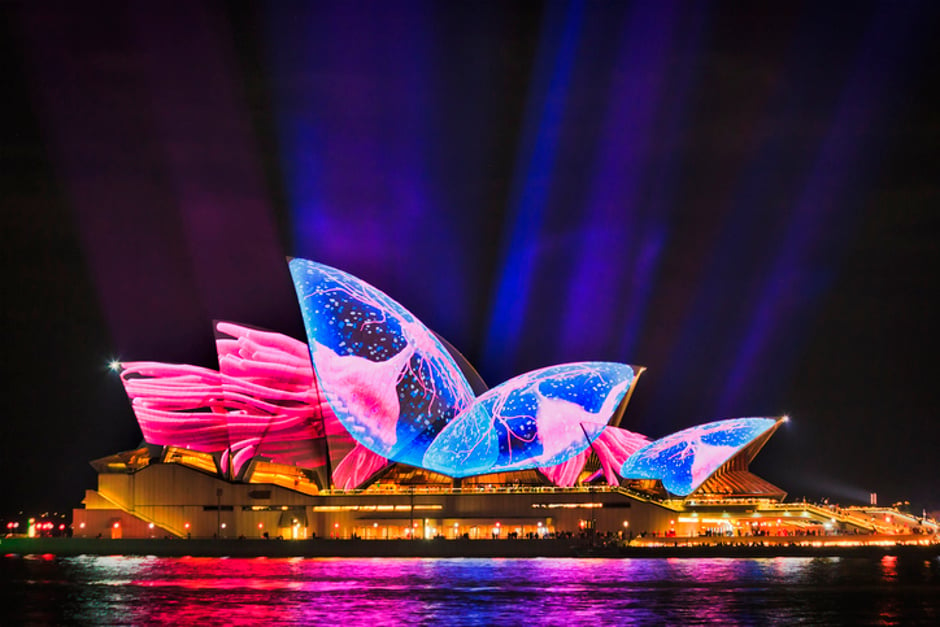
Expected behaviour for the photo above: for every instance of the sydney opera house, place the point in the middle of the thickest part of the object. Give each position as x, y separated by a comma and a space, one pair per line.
377, 428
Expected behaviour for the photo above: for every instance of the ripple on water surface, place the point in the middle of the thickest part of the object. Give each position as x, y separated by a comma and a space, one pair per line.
152, 590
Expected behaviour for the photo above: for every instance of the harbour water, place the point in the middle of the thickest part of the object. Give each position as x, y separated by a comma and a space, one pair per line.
117, 590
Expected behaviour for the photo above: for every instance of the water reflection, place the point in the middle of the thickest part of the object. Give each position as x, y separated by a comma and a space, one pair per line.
150, 590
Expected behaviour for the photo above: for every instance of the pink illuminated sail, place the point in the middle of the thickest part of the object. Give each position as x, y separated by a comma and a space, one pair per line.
263, 402
613, 446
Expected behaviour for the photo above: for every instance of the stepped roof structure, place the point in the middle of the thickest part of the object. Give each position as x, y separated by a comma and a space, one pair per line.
375, 394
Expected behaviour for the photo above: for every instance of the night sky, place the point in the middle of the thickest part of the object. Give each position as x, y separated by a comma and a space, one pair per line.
742, 197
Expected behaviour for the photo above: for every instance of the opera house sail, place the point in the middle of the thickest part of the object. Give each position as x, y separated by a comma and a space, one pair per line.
376, 427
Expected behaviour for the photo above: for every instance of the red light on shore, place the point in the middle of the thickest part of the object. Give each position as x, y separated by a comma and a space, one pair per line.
186, 526
260, 525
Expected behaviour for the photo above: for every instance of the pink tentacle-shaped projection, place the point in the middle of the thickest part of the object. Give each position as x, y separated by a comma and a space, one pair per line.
613, 446
357, 467
274, 410
264, 401
278, 410
187, 407
566, 473
177, 405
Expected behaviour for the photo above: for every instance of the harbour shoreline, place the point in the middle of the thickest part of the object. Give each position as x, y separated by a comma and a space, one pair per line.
441, 548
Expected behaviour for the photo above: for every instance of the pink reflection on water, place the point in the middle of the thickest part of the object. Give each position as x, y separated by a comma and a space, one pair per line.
380, 591
277, 591
889, 567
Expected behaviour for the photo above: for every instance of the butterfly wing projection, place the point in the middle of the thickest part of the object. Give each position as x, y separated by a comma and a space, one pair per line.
540, 418
685, 459
388, 379
399, 392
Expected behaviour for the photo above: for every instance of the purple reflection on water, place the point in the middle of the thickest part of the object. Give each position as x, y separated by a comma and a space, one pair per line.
150, 590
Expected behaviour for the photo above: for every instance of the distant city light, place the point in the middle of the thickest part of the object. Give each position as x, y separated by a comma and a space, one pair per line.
114, 365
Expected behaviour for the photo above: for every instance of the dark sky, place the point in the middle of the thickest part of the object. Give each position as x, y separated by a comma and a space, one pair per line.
742, 197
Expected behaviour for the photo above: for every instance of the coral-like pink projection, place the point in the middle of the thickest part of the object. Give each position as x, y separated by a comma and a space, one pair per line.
357, 467
613, 446
263, 402
273, 408
178, 405
566, 473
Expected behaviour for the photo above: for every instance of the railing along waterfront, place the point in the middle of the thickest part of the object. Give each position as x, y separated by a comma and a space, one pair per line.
494, 489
